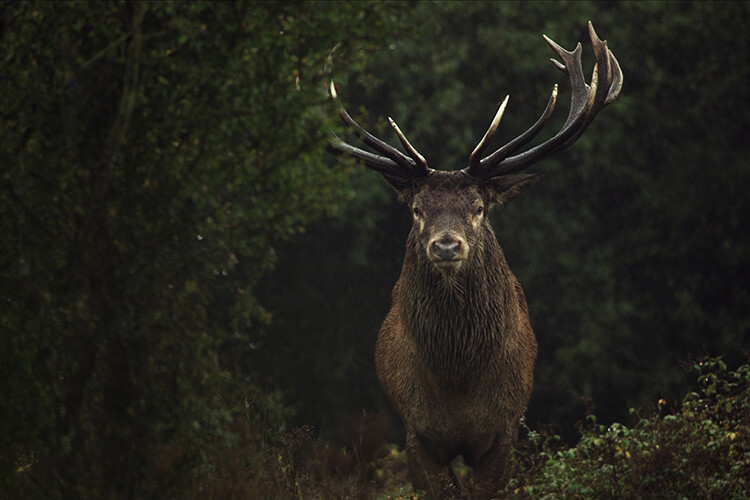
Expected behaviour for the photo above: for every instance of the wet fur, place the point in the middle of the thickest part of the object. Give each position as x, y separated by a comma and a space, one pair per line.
456, 352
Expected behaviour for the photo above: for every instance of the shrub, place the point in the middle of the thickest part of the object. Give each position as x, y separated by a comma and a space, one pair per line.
701, 450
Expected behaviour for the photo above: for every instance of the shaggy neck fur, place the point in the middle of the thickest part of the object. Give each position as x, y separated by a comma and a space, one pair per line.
457, 317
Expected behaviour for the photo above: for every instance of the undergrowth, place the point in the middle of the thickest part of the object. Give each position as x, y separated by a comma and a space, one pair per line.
700, 449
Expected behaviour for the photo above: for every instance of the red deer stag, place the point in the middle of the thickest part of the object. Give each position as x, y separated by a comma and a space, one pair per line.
456, 352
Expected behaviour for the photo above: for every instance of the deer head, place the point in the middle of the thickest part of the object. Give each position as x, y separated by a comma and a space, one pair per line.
449, 208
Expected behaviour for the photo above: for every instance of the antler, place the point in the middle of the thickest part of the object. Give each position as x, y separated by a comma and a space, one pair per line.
394, 163
586, 102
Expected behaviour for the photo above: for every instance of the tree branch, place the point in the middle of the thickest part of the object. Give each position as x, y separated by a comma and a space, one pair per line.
129, 90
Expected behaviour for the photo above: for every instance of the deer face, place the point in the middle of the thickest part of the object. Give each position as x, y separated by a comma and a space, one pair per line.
448, 210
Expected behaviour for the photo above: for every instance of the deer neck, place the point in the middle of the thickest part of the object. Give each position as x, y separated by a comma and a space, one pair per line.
457, 320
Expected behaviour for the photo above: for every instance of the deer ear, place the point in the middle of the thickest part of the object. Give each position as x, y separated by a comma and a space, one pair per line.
510, 187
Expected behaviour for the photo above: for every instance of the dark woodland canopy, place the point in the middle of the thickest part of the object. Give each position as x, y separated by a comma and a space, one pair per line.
186, 272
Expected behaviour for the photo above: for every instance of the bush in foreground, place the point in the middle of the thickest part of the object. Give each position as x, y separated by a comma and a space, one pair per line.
701, 450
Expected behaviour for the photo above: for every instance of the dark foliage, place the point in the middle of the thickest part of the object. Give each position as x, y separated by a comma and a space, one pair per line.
153, 155
699, 450
160, 159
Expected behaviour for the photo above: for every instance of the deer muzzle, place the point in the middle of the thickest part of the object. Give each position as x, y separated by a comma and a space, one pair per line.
448, 249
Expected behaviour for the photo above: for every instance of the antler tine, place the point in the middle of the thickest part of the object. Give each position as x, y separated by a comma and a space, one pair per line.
586, 102
375, 143
606, 65
614, 73
394, 163
378, 163
474, 159
527, 136
572, 66
614, 90
420, 163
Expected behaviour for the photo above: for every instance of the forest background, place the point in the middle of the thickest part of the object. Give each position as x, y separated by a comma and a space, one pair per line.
186, 273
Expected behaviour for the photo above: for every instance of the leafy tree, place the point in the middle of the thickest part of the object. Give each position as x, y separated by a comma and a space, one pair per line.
154, 155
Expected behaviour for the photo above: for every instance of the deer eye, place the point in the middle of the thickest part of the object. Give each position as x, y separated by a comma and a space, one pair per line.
479, 210
416, 211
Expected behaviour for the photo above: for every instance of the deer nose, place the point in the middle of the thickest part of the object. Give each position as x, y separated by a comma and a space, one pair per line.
446, 248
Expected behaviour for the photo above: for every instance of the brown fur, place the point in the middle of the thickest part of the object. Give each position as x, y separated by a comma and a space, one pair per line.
456, 352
